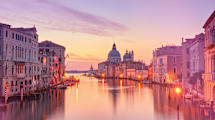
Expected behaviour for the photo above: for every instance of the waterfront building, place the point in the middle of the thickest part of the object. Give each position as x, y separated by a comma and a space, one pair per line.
18, 59
59, 51
209, 53
128, 68
193, 62
167, 62
47, 68
150, 72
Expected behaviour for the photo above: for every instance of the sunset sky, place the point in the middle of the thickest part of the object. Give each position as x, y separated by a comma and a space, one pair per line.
88, 28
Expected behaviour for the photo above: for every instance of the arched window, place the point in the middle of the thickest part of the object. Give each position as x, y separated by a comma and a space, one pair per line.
213, 63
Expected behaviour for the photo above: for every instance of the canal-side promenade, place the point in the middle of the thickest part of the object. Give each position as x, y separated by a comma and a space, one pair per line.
107, 99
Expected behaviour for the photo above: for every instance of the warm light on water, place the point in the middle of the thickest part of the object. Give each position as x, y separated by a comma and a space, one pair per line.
94, 99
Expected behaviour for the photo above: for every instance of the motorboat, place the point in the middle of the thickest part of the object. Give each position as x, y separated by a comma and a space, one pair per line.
188, 96
61, 86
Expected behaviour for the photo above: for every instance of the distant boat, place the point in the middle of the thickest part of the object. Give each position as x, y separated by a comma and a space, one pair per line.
146, 82
61, 86
188, 96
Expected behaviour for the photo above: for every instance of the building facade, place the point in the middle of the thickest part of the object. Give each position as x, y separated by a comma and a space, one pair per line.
59, 51
193, 61
209, 53
167, 62
18, 59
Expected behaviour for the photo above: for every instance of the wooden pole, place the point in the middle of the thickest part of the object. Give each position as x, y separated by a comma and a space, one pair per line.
6, 95
21, 94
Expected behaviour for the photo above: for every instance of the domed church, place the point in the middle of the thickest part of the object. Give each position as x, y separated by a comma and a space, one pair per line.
113, 67
114, 55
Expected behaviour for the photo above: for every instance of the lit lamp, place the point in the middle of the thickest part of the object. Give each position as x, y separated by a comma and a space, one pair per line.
103, 75
178, 90
139, 76
121, 75
76, 78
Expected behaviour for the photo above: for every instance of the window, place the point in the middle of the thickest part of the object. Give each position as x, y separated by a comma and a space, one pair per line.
6, 33
188, 74
12, 51
47, 50
12, 69
11, 83
161, 61
12, 35
174, 59
174, 70
25, 82
6, 70
187, 50
188, 64
6, 49
25, 70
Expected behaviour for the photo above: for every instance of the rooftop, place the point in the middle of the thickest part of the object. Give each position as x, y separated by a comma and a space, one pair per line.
209, 19
50, 44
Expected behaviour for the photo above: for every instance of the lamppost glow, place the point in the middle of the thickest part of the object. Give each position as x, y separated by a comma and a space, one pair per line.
121, 75
103, 75
178, 90
139, 76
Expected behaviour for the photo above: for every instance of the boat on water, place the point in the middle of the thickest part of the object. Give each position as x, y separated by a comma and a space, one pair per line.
61, 86
146, 82
188, 96
69, 83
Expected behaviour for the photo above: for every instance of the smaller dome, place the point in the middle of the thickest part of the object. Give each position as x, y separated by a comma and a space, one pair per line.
128, 56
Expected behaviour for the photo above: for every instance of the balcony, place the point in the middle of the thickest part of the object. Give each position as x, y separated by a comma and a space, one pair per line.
21, 75
210, 43
209, 76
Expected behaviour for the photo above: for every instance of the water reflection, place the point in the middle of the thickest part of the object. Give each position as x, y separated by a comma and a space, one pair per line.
50, 103
107, 99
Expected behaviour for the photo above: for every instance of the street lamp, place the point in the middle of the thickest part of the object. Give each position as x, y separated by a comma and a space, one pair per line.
103, 75
139, 76
178, 90
121, 75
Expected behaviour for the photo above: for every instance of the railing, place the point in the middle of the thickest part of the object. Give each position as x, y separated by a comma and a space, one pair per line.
21, 75
210, 42
209, 76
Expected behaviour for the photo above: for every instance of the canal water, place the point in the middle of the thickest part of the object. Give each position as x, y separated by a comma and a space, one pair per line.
97, 99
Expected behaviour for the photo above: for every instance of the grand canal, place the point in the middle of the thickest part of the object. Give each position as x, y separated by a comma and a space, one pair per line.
97, 99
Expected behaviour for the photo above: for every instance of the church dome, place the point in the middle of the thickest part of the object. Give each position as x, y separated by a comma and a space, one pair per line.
128, 56
114, 55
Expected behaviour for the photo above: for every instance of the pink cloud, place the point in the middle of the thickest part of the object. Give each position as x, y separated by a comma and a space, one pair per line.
50, 15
